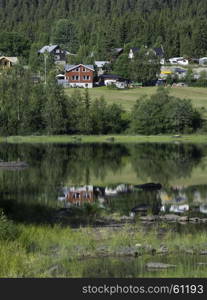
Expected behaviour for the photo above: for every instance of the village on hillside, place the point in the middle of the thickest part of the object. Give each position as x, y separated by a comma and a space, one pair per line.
173, 70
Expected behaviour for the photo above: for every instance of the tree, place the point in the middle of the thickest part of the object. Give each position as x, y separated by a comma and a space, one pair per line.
13, 44
162, 113
64, 34
145, 67
54, 109
122, 66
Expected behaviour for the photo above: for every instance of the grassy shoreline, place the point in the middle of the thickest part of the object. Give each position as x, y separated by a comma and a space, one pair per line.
45, 251
117, 139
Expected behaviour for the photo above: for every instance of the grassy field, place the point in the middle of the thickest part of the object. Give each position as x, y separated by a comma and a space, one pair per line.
194, 138
127, 98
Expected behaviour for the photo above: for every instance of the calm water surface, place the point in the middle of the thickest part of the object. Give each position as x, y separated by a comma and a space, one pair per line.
117, 170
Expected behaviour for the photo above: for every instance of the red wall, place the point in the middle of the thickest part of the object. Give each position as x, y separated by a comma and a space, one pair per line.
81, 73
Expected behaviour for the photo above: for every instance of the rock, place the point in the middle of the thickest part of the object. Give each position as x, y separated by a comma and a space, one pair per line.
103, 251
183, 219
149, 218
158, 265
127, 251
170, 218
126, 219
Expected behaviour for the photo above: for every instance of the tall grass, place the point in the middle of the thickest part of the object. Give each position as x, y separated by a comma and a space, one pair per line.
55, 251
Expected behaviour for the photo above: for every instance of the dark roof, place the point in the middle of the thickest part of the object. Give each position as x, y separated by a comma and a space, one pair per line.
112, 76
48, 48
159, 51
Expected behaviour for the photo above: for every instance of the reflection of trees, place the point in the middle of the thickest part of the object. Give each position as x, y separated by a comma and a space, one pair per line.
164, 162
51, 165
94, 160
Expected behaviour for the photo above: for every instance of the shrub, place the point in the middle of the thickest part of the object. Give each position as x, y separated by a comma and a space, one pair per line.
162, 113
8, 230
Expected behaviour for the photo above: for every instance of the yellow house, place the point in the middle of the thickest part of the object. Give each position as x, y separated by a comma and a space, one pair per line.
7, 62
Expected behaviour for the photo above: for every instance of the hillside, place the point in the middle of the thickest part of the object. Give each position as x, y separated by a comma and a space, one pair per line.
99, 25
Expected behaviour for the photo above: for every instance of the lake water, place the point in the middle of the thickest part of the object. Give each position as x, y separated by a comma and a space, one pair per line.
116, 170
113, 173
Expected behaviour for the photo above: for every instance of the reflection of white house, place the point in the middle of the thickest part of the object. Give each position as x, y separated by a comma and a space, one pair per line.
203, 61
175, 208
121, 188
110, 191
203, 208
179, 61
179, 208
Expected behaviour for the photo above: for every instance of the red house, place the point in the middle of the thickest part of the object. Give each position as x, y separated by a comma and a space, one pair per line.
79, 75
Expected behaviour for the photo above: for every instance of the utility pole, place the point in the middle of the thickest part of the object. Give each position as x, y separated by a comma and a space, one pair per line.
45, 60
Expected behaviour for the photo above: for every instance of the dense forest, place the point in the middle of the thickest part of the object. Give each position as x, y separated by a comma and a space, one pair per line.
97, 26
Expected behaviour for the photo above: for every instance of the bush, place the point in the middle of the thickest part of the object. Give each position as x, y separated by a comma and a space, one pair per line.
162, 113
8, 230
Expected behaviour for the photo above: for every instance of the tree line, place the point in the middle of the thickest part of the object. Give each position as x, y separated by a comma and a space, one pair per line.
96, 26
28, 108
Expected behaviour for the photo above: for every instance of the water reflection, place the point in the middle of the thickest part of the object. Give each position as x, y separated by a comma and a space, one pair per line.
132, 199
128, 167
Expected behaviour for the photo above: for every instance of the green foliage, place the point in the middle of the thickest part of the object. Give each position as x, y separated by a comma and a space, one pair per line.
13, 44
8, 230
64, 34
162, 113
180, 26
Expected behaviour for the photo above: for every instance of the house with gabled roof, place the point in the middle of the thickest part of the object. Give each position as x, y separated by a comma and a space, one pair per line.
56, 51
79, 75
7, 62
158, 52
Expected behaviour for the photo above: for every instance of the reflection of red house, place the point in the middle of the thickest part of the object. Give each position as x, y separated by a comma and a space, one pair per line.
79, 75
80, 195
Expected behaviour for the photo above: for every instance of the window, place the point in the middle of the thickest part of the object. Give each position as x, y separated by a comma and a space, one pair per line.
57, 51
77, 69
86, 77
76, 77
84, 69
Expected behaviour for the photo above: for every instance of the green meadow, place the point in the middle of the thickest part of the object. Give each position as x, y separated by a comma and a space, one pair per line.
127, 98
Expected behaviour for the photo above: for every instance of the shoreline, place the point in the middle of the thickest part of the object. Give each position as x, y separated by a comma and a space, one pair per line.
108, 139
